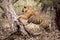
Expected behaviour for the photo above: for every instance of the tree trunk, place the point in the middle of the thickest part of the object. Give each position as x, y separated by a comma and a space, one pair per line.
10, 15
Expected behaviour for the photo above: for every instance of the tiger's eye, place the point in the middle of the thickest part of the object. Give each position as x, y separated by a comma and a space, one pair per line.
24, 6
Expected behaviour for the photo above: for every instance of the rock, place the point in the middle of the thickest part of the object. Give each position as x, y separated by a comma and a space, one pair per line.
23, 21
34, 29
6, 29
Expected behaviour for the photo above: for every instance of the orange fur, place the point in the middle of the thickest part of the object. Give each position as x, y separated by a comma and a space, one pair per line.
42, 19
27, 13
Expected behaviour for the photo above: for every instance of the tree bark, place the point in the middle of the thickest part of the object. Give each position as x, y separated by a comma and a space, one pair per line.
12, 19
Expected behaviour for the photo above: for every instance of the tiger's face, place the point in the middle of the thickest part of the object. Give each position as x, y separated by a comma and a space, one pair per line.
27, 12
27, 9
